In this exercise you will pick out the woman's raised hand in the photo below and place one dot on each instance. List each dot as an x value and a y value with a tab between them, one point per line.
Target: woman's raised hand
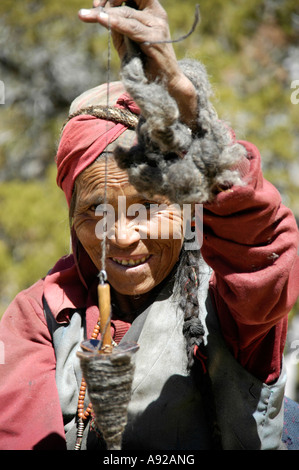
145	22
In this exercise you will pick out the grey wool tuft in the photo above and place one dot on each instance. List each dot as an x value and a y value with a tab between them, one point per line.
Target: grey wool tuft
155	165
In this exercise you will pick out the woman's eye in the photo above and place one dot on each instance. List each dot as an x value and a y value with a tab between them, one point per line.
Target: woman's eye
96	209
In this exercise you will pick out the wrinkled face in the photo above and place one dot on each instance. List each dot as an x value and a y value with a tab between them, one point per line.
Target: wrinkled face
143	238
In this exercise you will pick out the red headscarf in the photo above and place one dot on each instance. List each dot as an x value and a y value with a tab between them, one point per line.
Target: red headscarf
85	137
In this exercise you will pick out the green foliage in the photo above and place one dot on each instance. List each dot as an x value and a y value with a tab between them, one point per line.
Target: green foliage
34	232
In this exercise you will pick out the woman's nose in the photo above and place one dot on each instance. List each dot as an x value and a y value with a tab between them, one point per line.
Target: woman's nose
126	232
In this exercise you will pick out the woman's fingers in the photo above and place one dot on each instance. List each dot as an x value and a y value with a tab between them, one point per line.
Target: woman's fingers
144	27
148	26
140	26
138	4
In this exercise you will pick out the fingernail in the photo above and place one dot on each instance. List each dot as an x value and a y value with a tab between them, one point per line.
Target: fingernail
103	15
84	12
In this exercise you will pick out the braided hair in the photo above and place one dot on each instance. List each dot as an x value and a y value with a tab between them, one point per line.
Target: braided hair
186	291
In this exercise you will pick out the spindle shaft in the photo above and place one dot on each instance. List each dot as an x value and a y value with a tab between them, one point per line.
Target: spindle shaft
104	307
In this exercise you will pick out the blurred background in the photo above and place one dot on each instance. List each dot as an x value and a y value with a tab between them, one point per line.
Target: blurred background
48	57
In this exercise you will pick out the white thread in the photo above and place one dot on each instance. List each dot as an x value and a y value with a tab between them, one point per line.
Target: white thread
103	274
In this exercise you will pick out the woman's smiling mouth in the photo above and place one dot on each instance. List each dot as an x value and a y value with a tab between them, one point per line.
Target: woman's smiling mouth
130	262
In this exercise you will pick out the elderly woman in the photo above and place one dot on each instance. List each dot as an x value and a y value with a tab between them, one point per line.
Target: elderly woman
210	323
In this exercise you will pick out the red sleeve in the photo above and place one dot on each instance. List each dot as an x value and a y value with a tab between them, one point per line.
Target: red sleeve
251	242
30	415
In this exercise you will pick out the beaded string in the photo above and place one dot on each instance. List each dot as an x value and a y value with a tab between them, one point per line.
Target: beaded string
84	415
